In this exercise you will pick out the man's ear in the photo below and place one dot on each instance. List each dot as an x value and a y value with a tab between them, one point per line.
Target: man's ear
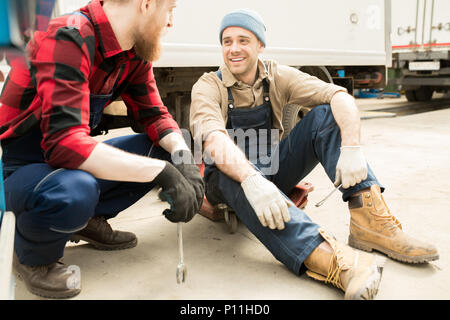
144	5
261	47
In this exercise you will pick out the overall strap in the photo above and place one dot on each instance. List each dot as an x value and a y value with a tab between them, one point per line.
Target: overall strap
79	13
266	84
230	95
266	92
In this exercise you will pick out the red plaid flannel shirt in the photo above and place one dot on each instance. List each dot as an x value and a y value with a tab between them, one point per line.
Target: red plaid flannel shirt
72	59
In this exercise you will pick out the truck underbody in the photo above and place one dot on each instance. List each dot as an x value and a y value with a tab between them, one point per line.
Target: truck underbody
423	73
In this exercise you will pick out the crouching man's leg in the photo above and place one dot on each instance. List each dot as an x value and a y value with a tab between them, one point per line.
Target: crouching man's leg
50	205
317	138
304	242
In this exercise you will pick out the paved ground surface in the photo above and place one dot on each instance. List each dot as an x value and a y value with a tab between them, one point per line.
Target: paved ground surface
409	154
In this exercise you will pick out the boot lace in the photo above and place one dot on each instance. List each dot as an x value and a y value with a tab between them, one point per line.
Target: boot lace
44	269
388	221
335	269
102	225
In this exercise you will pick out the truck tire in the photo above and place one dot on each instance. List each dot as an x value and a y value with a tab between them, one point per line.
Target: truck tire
292	113
411	95
424	94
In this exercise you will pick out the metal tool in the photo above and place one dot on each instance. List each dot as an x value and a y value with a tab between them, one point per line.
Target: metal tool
181	269
319	204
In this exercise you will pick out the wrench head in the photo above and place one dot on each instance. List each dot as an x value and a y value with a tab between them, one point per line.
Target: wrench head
320	204
181	273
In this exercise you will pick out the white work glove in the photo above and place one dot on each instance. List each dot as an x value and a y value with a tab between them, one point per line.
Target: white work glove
351	168
270	205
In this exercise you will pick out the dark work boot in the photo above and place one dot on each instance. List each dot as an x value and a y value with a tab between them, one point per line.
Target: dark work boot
55	280
99	233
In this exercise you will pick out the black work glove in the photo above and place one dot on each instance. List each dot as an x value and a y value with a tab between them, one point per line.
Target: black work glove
184	162
179	193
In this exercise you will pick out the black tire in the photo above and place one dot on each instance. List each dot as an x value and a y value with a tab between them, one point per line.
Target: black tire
424	94
411	95
292	114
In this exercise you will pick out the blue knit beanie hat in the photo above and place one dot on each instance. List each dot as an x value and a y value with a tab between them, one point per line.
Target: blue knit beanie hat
246	19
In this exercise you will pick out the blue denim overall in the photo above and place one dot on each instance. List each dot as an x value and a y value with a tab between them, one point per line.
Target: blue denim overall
254	125
51	204
315	139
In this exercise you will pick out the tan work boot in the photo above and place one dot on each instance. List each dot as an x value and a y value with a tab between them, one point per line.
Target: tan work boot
373	227
358	274
99	233
55	280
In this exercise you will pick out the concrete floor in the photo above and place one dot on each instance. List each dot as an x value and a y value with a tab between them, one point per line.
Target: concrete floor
410	156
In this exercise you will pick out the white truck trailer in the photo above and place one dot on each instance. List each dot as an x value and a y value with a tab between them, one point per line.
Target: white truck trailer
345	42
421	46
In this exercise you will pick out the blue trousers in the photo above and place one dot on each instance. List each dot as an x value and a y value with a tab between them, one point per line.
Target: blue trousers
315	139
51	204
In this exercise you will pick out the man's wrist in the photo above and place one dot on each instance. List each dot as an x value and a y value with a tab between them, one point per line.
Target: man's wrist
160	172
173	142
167	175
245	175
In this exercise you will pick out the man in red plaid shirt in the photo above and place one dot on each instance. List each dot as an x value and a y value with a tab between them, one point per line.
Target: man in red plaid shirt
61	183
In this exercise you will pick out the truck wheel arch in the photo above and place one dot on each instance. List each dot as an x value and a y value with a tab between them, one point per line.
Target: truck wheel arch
320	72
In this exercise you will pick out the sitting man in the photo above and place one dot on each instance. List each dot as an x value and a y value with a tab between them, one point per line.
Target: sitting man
248	95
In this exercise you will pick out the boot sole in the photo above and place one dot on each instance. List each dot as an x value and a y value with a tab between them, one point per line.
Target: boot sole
48	294
369	247
102	246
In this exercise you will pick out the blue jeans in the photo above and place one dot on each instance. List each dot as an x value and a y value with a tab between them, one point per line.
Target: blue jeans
51	204
315	139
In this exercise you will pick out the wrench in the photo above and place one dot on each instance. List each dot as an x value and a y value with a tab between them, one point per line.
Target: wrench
181	269
319	204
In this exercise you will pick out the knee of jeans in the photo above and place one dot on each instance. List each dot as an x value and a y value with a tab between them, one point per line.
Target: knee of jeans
324	116
321	110
230	189
70	204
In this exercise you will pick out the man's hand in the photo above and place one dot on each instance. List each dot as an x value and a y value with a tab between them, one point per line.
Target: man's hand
351	168
179	193
184	162
267	201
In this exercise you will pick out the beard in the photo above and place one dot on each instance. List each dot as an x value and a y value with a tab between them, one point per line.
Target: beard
148	44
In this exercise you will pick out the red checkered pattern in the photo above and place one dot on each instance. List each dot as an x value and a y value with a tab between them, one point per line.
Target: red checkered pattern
74	58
